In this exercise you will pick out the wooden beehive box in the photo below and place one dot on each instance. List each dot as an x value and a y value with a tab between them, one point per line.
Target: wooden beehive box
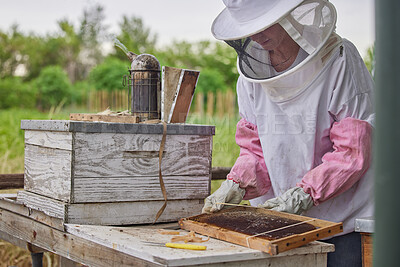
78	170
261	229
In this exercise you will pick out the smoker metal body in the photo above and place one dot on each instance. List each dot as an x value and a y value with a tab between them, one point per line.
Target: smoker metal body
145	87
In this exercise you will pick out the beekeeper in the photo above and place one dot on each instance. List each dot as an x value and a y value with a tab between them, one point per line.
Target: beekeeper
306	104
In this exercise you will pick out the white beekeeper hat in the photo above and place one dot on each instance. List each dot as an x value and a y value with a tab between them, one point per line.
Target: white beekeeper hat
243	18
310	23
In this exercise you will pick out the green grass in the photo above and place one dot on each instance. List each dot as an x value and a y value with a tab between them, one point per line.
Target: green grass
12	137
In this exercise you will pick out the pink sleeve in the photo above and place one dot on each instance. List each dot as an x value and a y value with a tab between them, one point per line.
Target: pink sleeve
345	165
250	170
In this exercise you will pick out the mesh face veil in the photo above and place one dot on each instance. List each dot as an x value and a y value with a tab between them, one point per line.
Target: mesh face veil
311	26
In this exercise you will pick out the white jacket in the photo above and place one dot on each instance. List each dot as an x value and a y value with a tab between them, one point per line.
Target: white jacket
307	139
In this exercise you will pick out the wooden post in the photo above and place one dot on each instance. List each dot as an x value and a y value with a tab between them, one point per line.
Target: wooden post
8	181
366	241
117	97
98	101
230	103
110	99
210	104
94	100
90	100
88	103
220	107
126	100
104	104
200	104
121	100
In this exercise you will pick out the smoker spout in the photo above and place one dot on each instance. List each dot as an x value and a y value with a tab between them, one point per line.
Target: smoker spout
131	56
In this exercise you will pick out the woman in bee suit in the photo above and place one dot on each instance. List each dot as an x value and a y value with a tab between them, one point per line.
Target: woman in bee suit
306	104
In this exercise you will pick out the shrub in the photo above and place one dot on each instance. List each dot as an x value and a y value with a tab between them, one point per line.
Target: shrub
210	81
53	87
108	75
15	93
80	92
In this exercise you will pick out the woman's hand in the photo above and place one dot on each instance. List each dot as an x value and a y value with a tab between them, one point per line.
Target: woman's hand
228	192
294	201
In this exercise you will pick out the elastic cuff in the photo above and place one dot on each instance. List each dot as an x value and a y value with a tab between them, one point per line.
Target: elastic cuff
231	177
308	190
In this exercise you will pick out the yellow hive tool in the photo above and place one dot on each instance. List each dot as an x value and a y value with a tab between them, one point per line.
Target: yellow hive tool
176	245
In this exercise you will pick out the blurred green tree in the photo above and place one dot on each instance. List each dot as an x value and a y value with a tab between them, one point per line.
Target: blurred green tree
53	87
41	52
369	60
210	81
108	75
135	36
92	34
205	56
71	49
78	50
16	94
11	57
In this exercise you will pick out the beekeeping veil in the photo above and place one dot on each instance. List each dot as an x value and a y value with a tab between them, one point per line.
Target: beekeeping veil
309	23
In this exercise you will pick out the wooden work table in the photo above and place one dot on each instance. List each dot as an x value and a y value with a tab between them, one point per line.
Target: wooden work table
94	245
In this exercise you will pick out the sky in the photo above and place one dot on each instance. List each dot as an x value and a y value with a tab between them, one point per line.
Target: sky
170	19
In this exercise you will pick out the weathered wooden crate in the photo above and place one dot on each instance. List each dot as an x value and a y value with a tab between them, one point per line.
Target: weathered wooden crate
110	213
78	162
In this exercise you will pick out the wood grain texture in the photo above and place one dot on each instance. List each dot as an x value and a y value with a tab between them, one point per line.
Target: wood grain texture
170	82
367	249
183	100
105	118
95	245
9	202
139	188
125	213
65	262
131	241
111	127
49	206
111	213
107	167
48	171
16	180
49	139
119	155
65	244
46	125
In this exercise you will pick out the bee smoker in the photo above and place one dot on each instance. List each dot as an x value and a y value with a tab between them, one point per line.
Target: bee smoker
145	87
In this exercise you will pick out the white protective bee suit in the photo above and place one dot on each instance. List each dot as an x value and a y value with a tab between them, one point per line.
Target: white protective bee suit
305	133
